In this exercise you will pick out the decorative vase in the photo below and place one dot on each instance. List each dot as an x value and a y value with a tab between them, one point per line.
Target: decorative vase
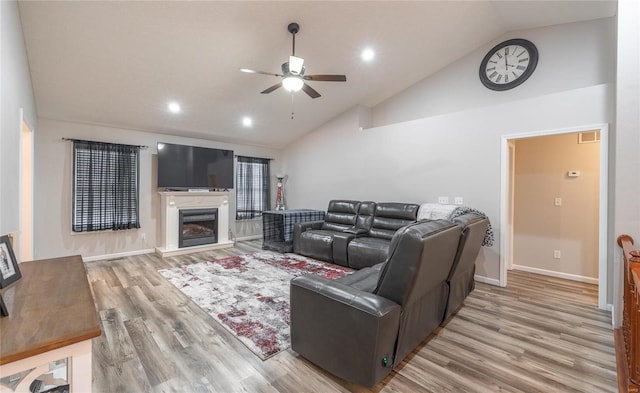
280	193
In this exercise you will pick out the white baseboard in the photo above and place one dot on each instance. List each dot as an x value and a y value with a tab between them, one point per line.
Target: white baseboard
551	273
163	252
487	280
245	238
117	255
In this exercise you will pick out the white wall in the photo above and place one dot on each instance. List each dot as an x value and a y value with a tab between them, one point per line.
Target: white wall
571	56
540	227
627	137
53	182
455	153
448	155
16	92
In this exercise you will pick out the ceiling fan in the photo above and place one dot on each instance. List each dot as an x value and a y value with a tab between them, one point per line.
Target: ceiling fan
293	77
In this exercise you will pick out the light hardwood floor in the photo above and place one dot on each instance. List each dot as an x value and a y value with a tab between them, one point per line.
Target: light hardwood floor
539	334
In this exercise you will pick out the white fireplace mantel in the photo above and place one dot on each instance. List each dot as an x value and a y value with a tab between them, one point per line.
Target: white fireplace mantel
170	205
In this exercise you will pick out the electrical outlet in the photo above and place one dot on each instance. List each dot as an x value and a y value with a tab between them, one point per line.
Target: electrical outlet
143	236
558	201
556	254
458	200
443	200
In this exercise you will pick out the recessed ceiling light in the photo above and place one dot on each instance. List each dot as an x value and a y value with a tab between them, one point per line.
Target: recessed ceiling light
174	107
368	54
246	121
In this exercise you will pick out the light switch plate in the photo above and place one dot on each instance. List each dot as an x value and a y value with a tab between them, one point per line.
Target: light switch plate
458	200
443	200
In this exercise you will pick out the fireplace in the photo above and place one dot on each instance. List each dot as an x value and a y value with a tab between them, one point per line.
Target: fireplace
171	202
197	227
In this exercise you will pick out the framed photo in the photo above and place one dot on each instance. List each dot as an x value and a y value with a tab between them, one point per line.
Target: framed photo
9	271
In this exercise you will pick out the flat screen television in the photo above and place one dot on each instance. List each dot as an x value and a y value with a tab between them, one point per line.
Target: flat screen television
184	167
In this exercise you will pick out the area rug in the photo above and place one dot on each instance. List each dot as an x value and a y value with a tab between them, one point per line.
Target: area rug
249	294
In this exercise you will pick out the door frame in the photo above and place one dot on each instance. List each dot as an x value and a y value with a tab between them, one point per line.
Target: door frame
510	199
506	232
22	235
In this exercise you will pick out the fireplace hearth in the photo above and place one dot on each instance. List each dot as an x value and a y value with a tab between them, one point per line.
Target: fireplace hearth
197	227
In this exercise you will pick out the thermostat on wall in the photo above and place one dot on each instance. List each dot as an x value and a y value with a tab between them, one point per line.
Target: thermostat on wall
573	173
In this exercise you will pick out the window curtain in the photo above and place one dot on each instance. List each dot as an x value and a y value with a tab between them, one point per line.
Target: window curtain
105	186
252	187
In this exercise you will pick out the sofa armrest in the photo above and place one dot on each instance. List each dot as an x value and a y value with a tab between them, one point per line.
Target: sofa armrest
305	226
348	332
358	232
300	227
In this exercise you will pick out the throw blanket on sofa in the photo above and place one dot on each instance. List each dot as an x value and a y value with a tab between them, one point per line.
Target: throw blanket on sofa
436	211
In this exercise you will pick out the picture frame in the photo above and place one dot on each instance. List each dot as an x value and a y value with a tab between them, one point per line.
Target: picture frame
9	270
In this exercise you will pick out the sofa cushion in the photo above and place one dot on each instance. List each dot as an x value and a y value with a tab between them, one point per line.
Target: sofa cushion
341	214
367	251
364	279
389	217
316	243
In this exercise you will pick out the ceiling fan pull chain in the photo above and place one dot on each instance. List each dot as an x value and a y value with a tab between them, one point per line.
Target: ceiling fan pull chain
292	104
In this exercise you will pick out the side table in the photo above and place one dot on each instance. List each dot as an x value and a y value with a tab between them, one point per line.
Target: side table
52	316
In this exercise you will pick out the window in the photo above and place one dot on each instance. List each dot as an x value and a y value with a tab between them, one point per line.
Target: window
252	187
105	186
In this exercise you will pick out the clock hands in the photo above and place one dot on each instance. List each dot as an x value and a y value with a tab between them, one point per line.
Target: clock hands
506	58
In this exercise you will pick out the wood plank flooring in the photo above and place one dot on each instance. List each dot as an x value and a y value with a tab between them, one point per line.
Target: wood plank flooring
539	334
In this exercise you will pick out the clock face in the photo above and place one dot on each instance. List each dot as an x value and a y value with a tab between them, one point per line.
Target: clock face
508	64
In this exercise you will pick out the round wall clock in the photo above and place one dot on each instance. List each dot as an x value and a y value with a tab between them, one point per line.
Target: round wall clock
508	64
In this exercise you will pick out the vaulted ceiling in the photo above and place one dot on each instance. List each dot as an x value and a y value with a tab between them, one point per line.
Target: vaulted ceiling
120	63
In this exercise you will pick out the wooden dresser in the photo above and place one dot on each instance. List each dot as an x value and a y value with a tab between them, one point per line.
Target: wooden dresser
52	316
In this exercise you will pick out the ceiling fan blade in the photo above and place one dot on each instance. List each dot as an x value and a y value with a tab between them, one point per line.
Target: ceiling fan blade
295	64
272	88
310	91
326	78
248	71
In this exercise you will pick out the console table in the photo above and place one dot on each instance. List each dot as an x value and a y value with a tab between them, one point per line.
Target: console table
52	316
277	227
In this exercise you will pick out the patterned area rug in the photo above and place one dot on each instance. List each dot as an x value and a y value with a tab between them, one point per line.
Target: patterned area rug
249	294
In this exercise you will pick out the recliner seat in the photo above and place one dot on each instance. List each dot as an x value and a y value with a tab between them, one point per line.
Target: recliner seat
373	247
315	238
461	278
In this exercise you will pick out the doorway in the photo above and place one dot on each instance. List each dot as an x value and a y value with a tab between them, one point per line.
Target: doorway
25	239
507	252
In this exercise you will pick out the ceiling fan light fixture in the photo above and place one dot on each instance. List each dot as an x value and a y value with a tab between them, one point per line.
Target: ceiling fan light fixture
295	64
292	83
